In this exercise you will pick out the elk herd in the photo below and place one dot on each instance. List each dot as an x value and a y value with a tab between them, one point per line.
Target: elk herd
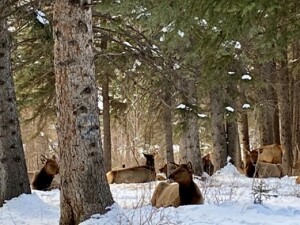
176	185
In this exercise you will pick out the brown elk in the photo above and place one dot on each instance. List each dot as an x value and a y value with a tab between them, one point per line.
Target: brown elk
208	167
268	154
249	167
184	192
43	178
264	170
164	170
298	180
265	161
137	174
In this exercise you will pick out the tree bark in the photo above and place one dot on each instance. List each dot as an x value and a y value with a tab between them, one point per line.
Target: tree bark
167	118
84	188
285	114
189	140
219	153
296	109
233	142
106	122
13	171
268	115
244	134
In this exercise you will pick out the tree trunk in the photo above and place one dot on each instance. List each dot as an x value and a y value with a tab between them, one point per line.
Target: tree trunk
106	122
84	188
285	114
189	140
167	118
219	153
296	110
13	172
233	142
244	134
106	109
268	115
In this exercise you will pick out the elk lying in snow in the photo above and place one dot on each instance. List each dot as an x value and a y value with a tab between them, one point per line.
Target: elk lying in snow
43	178
137	174
184	192
164	170
298	180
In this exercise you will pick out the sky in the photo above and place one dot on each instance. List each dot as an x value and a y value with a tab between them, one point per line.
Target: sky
229	200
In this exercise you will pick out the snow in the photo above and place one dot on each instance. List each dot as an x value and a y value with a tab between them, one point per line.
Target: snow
246	106
228	201
41	17
229	108
180	33
246	77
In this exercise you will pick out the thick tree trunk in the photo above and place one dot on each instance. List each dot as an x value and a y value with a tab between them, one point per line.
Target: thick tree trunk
268	115
285	113
219	153
167	118
233	145
13	172
233	142
84	188
189	140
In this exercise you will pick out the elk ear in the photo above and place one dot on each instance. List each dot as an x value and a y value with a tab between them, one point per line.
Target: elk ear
190	166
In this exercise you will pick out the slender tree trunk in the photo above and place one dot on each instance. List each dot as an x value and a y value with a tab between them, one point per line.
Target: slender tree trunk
13	172
285	114
106	109
219	153
189	140
167	118
296	109
84	188
244	134
243	125
106	122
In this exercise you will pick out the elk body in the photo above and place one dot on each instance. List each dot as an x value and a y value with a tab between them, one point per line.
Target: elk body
184	192
265	161
268	154
42	179
208	167
265	170
137	174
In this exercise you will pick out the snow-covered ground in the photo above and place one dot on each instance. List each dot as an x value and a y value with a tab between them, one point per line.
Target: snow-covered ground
229	200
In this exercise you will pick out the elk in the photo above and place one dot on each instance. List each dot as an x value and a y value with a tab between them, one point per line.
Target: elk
268	154
264	170
183	191
298	180
208	167
43	178
137	174
164	170
265	161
